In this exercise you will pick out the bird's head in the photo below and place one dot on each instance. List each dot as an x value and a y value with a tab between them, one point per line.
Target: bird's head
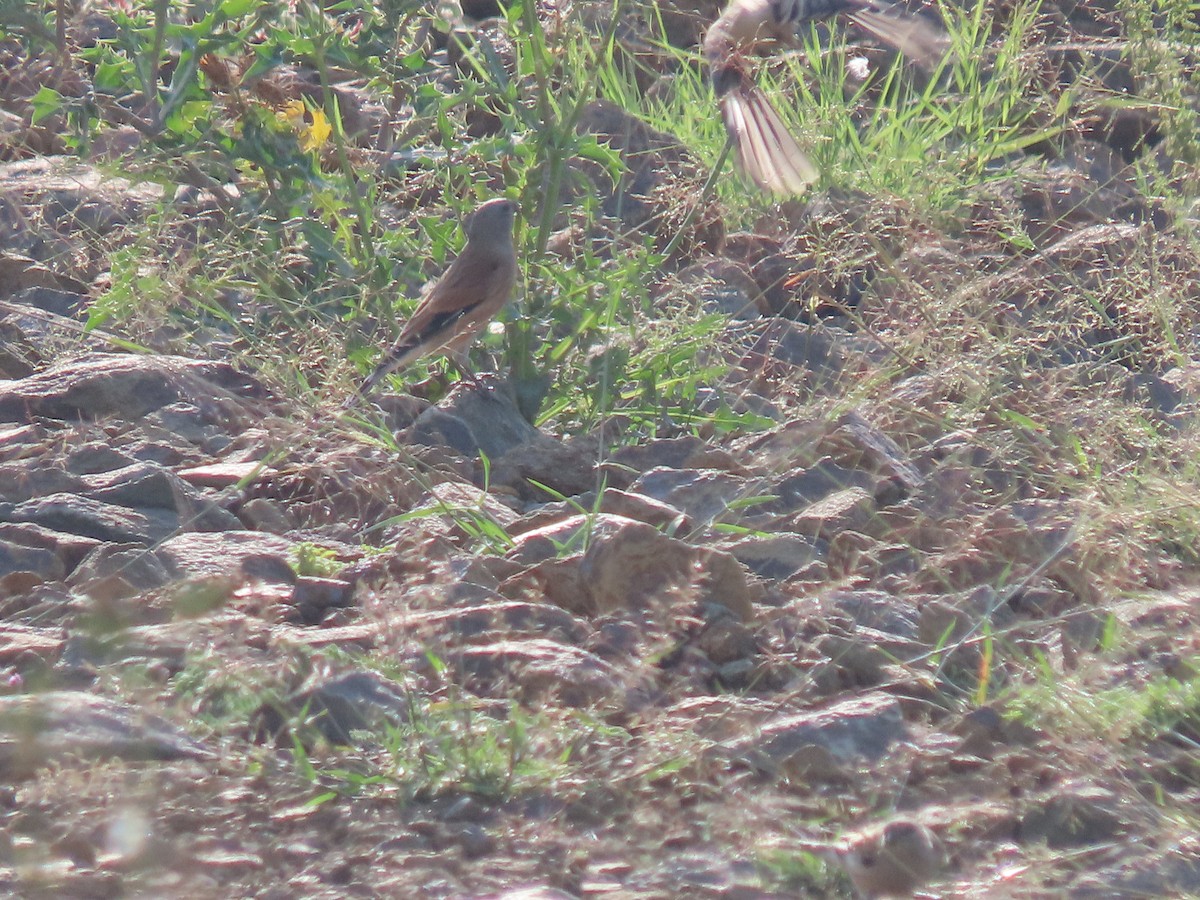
491	220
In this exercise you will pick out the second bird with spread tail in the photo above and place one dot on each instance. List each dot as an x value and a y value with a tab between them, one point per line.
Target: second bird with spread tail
766	151
468	295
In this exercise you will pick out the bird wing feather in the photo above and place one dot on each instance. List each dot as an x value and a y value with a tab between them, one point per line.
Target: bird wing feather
916	38
471	291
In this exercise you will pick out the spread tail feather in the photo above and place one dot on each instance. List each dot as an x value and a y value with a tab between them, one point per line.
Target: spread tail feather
766	151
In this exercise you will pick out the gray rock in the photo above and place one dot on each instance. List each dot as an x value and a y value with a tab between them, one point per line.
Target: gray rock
352	701
44	563
41	729
122	385
490	418
68	304
69	548
540	668
221	553
704	494
21	481
827	744
1075	815
118	571
92	518
777	557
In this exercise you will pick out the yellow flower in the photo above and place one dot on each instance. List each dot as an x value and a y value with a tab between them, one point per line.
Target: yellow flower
310	124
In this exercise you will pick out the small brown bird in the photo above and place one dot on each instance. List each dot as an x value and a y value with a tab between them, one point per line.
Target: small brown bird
468	295
766	151
893	859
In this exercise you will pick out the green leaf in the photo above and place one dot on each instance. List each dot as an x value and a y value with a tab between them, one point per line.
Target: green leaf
46	101
235	9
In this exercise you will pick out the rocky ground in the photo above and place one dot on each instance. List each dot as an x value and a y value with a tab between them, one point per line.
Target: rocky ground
249	649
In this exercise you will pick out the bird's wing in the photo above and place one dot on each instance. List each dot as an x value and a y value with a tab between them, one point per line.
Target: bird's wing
473	288
469	293
914	36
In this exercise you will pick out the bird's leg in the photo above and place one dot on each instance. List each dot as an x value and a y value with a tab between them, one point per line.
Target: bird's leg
466	373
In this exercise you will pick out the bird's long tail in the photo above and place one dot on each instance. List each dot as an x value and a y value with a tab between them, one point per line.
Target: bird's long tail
766	151
398	356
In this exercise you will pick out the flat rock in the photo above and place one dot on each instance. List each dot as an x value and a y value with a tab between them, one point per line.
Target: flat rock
1075	815
84	516
848	510
121	385
41	729
45	564
540	668
776	557
566	468
22	642
471	420
118	571
220	553
827	744
352	701
704	494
